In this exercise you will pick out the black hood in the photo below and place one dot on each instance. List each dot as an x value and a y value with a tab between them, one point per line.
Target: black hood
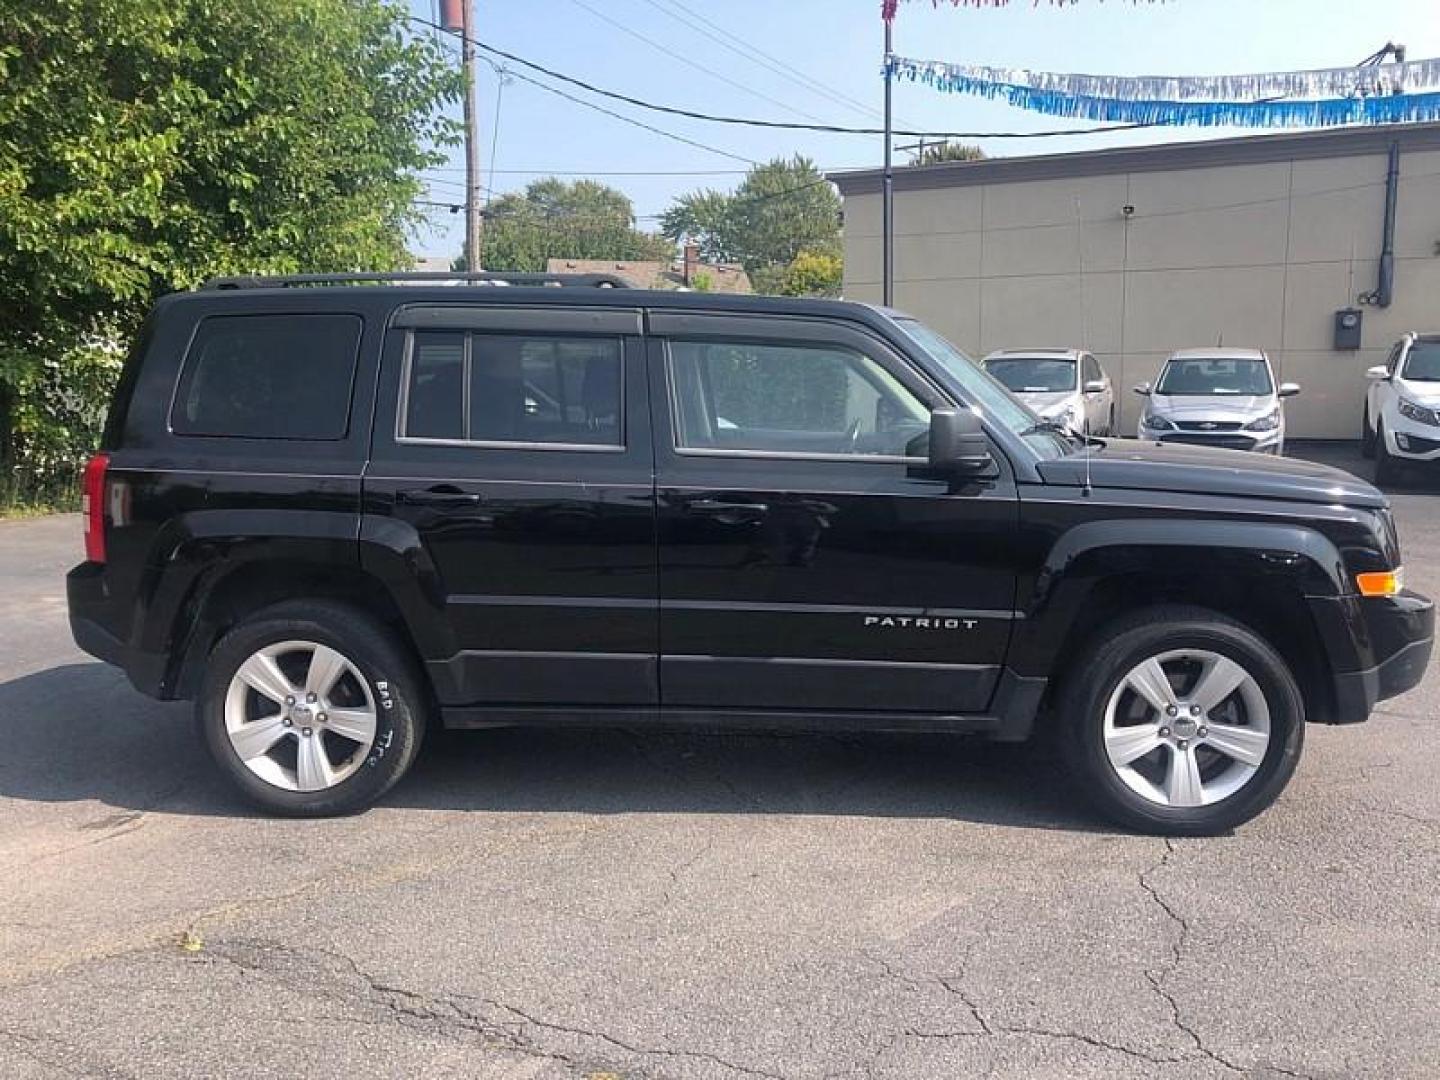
1148	466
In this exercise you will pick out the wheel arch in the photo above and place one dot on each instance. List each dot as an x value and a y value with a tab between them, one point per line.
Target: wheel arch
225	598
1260	575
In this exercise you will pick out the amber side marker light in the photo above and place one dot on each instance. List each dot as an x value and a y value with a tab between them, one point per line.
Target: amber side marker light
1381	582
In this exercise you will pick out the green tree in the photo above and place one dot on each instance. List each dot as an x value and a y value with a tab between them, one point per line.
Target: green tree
812	273
935	153
553	219
782	208
147	146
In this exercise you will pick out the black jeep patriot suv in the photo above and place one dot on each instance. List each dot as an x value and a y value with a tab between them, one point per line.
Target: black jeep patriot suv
333	513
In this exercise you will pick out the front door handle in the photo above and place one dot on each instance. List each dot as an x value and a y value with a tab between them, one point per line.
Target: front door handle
442	495
724	508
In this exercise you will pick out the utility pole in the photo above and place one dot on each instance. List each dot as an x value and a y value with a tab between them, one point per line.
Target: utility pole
474	254
887	197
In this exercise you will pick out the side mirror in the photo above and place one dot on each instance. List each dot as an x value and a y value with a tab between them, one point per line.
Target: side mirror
1095	386
958	443
1288	389
1143	389
1378	373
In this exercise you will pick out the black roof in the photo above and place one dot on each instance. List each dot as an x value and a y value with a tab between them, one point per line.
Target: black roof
257	293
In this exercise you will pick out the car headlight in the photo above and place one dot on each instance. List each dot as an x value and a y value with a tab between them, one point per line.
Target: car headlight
1418	413
1156	423
1265	423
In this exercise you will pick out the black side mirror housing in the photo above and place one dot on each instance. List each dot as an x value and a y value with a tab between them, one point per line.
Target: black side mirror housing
958	443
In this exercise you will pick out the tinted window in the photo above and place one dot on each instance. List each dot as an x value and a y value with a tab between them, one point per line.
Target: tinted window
1092	370
514	389
791	400
1222	375
1032	373
269	377
435	406
1423	362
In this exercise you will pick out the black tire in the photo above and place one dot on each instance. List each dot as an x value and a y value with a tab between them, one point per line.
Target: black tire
1387	468
1095	675
1367	437
400	697
1110	426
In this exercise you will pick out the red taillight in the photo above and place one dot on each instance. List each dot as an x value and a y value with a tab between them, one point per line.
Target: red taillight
92	505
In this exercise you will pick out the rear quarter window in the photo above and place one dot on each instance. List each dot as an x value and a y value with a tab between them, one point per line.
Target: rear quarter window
268	377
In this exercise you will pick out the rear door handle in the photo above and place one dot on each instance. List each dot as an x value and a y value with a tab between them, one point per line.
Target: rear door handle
723	508
444	495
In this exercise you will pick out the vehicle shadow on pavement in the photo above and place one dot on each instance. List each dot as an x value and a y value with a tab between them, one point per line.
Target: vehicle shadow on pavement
80	732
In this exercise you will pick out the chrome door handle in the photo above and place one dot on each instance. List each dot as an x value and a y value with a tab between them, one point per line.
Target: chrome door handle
720	507
438	496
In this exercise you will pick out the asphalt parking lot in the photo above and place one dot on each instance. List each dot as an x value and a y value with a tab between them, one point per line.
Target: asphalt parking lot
624	904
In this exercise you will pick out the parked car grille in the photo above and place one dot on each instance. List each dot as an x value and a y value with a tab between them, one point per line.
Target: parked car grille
1209	425
1226	442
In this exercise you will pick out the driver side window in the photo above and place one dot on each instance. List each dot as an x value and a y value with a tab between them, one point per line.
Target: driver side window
792	400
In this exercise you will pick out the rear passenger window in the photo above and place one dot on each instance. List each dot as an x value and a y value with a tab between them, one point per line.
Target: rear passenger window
268	377
502	388
435	408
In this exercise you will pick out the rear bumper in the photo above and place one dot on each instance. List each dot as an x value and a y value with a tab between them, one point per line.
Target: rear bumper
90	606
1395	638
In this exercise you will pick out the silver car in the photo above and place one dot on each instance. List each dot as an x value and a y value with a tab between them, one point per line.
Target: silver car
1217	397
1065	385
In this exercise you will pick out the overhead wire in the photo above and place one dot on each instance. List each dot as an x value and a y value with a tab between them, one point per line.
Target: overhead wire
688	16
688	62
581	101
780	125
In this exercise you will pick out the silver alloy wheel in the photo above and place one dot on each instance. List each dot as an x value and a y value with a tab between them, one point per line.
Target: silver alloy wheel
300	716
1187	728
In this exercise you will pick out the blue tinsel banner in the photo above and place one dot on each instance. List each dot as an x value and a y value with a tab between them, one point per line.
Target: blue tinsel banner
1372	108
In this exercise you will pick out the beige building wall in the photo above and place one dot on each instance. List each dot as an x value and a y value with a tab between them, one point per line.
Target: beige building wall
1249	254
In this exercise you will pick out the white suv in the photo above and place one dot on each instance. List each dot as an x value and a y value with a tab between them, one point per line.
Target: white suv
1402	406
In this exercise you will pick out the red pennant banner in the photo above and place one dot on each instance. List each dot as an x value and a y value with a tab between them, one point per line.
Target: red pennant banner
889	7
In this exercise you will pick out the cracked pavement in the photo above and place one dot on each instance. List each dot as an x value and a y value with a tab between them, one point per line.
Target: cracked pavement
604	904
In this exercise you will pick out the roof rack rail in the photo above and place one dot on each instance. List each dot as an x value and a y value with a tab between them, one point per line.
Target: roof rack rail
413	277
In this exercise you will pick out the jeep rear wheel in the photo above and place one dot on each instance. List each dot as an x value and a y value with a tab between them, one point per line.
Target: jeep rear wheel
312	709
1181	722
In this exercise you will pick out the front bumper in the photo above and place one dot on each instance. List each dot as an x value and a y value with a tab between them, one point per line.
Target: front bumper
1389	644
1404	438
1270	442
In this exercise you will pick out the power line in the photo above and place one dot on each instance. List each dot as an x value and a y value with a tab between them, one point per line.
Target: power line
581	101
631	120
661	47
600	172
755	55
782	125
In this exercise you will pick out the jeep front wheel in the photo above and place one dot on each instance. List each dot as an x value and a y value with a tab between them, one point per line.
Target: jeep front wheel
1182	722
311	709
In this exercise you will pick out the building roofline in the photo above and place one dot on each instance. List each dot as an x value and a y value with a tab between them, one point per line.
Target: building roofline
1162	157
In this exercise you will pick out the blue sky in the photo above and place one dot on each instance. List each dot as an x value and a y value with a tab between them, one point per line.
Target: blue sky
838	44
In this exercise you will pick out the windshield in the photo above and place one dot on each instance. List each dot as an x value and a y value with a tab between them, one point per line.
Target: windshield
1199	376
986	394
1423	363
1033	374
